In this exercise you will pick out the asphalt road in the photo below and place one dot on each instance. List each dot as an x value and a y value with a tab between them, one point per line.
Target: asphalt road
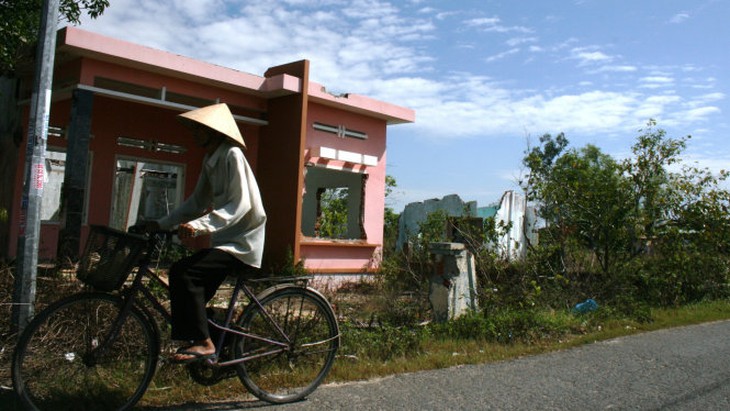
685	368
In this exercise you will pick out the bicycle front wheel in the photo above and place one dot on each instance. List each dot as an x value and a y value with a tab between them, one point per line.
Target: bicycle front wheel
281	371
65	361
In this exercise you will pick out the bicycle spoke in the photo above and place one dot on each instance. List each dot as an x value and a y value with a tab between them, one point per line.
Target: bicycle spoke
63	360
309	324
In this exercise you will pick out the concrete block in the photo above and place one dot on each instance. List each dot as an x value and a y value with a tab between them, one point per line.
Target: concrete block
453	286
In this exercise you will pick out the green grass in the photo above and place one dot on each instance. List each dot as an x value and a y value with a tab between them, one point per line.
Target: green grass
362	360
370	349
449	352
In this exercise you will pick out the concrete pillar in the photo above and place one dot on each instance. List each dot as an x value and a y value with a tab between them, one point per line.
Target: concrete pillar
453	288
75	178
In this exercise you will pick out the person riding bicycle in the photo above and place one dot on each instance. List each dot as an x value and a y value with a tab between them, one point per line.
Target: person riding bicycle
226	204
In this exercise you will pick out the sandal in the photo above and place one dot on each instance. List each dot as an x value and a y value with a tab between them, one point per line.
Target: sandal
193	356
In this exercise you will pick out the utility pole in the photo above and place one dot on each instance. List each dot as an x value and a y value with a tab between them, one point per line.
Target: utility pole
35	168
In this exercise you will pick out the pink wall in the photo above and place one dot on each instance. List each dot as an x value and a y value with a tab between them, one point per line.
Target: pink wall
99	56
335	258
349	255
113	118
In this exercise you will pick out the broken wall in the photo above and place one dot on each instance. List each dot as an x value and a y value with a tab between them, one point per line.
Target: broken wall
520	219
511	211
416	213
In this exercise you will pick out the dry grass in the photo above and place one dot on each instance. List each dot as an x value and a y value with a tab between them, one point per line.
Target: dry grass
361	304
7	335
50	286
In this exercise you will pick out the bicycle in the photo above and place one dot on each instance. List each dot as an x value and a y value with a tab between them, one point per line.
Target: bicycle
100	349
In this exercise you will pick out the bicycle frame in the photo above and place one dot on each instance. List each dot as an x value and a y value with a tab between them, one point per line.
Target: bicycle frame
129	297
241	286
286	330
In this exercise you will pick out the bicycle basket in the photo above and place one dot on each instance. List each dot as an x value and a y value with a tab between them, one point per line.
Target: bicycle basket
109	257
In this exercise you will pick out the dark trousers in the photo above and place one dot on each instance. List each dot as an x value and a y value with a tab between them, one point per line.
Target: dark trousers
194	281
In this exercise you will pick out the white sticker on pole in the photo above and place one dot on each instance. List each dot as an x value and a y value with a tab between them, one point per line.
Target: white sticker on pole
39	173
46	115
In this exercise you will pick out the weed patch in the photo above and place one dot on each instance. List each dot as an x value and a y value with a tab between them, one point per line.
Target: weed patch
384	332
382	342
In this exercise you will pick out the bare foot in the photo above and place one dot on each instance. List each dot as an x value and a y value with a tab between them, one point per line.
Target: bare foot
200	350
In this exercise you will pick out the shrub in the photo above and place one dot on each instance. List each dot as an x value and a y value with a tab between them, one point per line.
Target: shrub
382	342
508	326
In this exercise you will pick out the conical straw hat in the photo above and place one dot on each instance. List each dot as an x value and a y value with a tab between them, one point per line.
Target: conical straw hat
217	117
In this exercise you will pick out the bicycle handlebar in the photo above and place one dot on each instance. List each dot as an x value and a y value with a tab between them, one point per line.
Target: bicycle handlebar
141	229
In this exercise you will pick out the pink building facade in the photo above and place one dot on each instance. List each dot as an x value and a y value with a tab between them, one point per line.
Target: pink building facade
116	153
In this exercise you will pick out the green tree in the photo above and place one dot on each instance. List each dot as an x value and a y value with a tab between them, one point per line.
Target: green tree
583	196
20	20
390	223
653	155
659	230
683	225
332	221
702	207
539	161
595	203
690	199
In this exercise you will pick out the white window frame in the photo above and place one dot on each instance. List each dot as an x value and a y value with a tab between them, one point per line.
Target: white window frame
132	213
44	204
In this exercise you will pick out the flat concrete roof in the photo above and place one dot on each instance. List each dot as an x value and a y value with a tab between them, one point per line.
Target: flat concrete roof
73	41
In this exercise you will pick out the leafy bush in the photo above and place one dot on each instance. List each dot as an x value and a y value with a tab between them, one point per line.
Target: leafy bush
632	234
682	278
382	342
507	326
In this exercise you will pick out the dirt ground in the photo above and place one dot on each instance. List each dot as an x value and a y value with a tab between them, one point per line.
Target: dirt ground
355	301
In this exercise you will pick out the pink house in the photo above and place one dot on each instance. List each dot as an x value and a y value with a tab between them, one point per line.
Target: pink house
116	153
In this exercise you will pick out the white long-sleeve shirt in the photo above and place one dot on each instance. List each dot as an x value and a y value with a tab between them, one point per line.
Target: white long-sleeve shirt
226	204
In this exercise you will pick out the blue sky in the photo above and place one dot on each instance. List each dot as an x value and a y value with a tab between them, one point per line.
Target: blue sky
485	78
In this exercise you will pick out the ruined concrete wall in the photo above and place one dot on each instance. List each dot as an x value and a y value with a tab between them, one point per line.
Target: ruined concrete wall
513	211
415	213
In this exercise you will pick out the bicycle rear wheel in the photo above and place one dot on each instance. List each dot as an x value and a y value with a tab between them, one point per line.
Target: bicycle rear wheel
62	363
289	373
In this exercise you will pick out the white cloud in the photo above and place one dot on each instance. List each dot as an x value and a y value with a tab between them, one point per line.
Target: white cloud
494	24
711	160
199	10
520	40
655	106
370	47
658	79
654	82
589	55
477	107
502	55
679	18
483	22
701	113
617	69
712	97
365	38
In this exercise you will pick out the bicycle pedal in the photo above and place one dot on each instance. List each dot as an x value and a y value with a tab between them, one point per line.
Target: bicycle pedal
209	375
229	372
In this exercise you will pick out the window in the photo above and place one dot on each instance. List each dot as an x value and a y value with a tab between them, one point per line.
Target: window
51	200
340	130
144	191
331	219
333	204
53	191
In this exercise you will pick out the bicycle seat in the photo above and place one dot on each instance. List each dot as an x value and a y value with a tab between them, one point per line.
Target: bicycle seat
247	272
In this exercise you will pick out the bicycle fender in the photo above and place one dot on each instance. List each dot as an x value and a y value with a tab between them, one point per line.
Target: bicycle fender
275	288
